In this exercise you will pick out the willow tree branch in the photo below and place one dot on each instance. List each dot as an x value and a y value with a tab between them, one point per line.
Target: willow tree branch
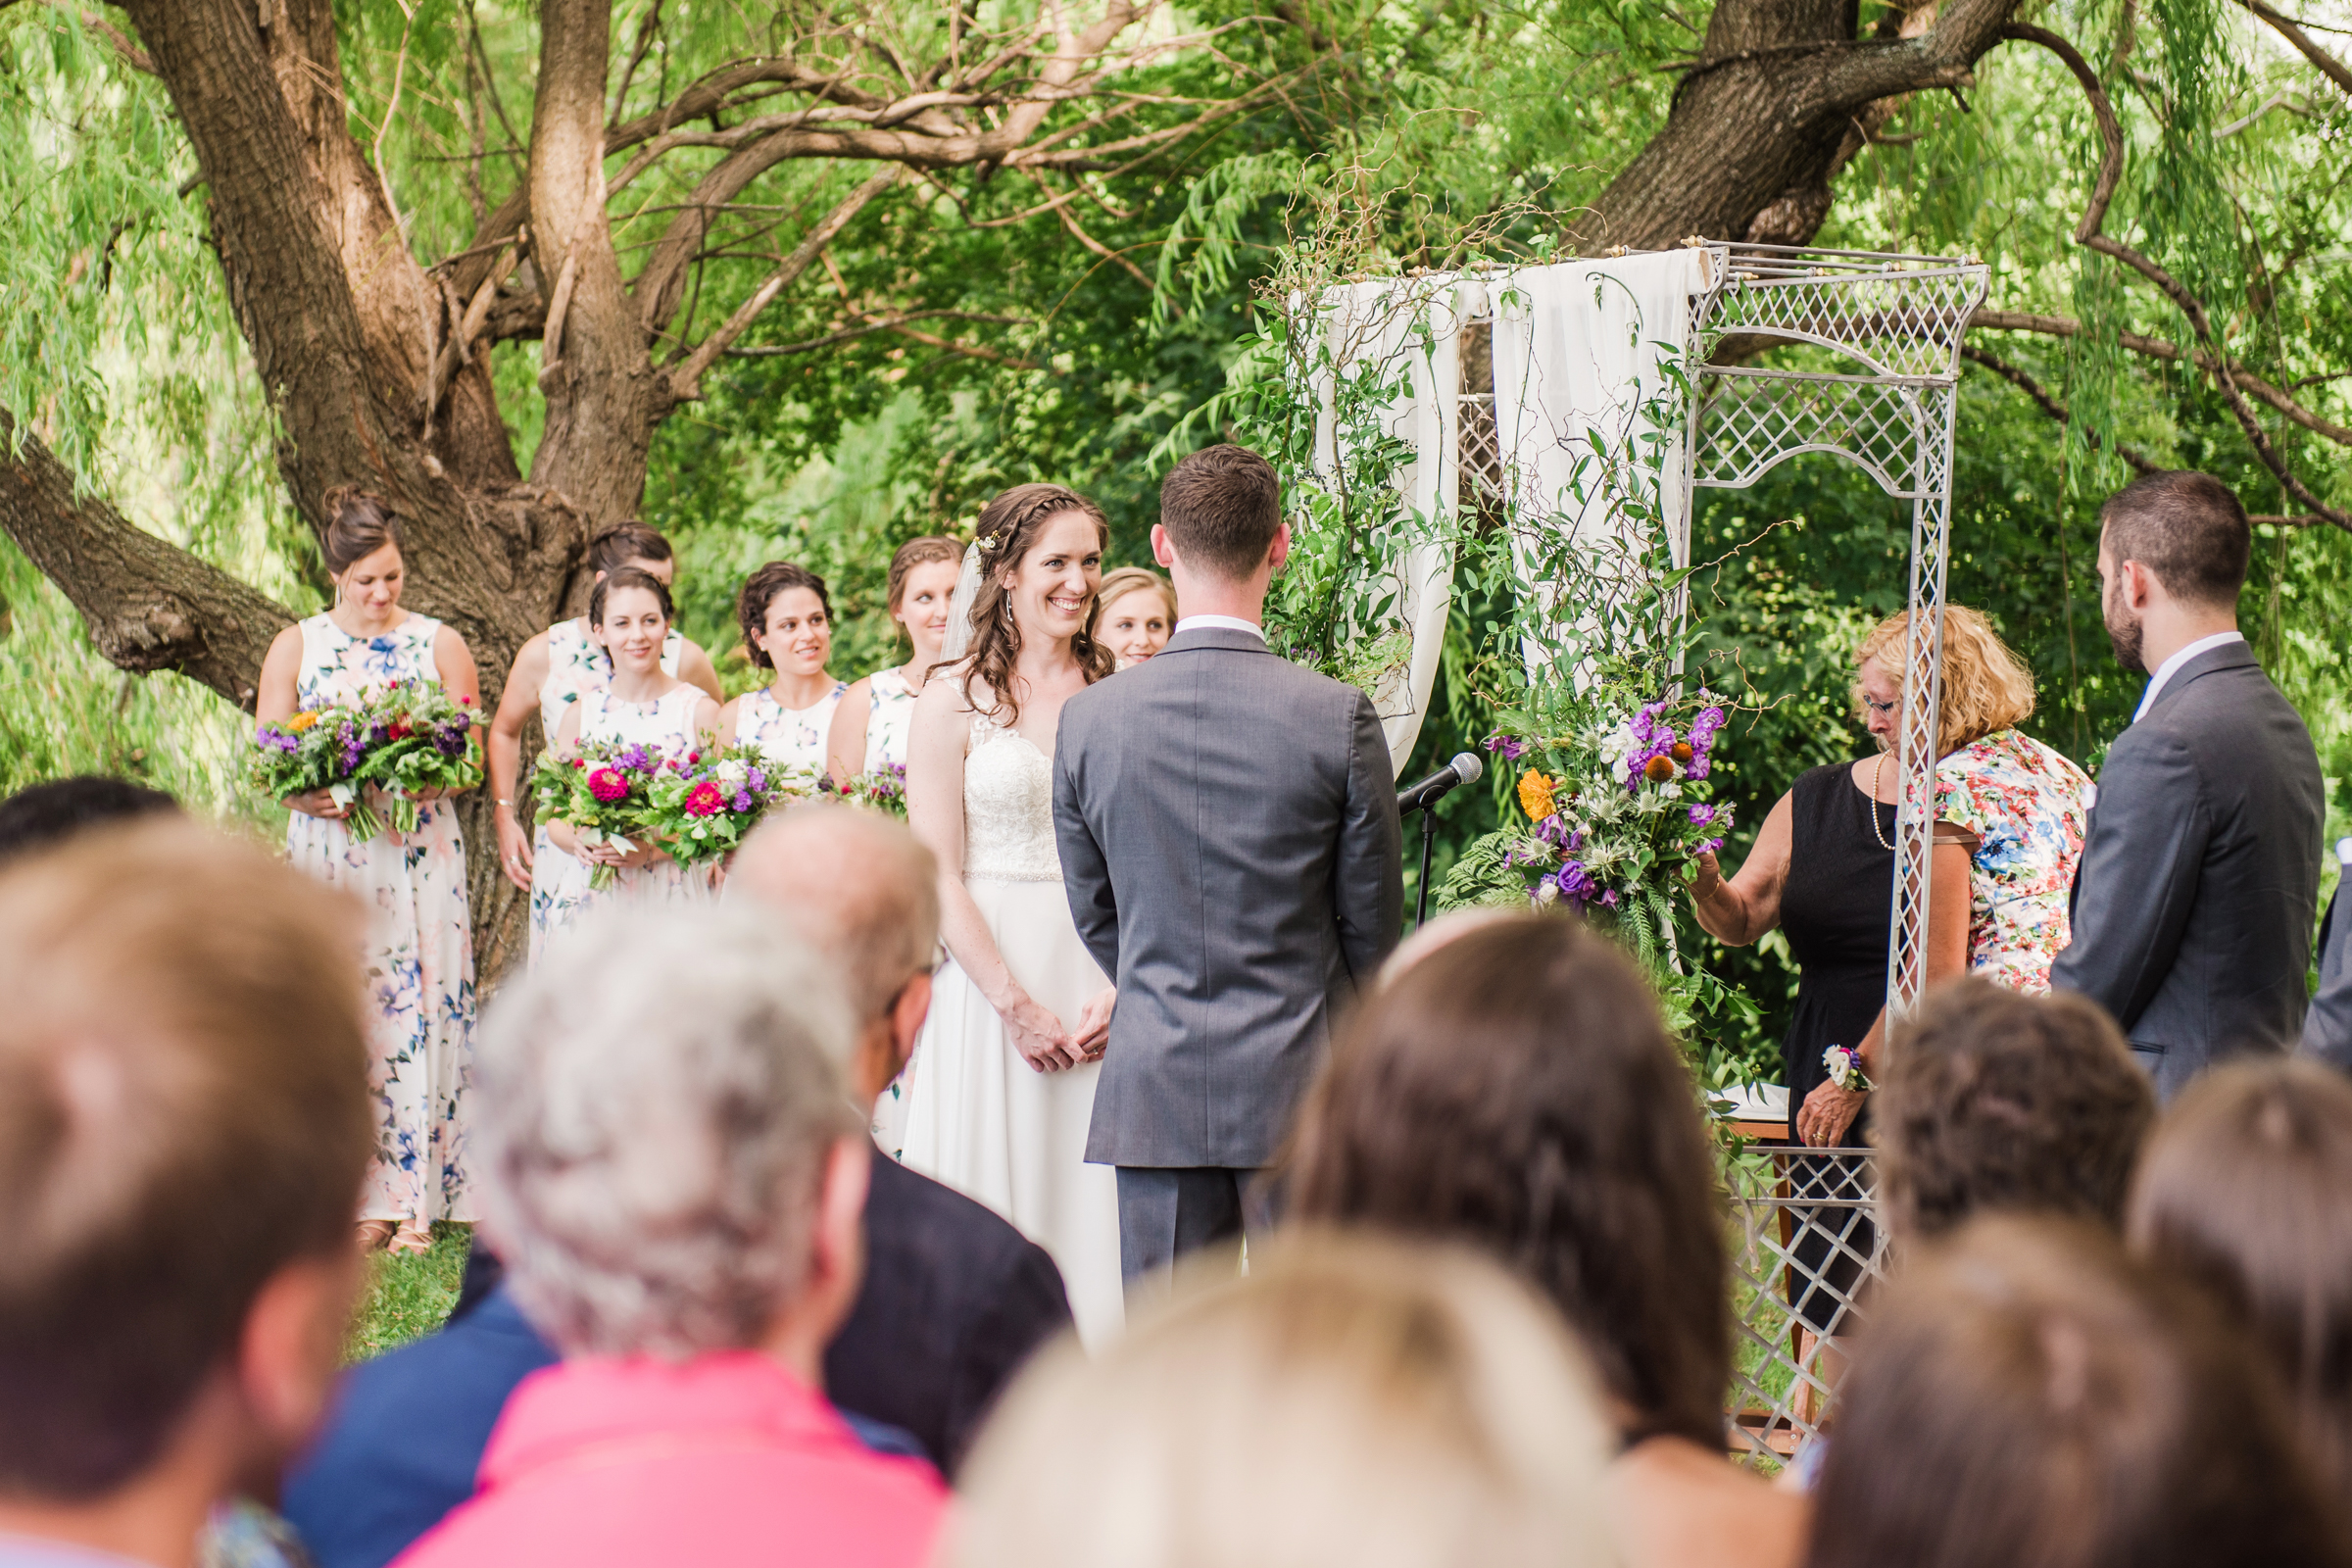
2332	68
2015	377
2227	379
686	377
149	604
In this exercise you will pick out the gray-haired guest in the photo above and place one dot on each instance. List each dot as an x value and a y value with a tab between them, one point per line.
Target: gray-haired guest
676	1179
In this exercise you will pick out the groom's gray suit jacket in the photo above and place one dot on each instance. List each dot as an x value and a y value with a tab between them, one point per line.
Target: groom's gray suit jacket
1228	830
2193	901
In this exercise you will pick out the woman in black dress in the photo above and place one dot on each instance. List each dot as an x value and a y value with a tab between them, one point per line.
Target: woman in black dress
1823	871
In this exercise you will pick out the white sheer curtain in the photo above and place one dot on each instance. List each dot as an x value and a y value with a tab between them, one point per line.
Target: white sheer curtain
1578	349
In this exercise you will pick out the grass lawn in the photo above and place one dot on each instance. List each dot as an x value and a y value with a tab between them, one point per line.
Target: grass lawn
408	1296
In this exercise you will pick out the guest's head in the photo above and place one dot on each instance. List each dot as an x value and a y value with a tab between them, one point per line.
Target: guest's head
1350	1405
1220	518
361	546
1515	1091
920	586
184	1123
2025	1397
2172	546
1985	685
1134	614
2246	1188
1041	565
787	619
863	893
670	1160
1997	1103
633	543
43	815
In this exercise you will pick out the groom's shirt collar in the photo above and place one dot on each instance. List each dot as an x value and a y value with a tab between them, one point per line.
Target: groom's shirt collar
1218	623
2169	668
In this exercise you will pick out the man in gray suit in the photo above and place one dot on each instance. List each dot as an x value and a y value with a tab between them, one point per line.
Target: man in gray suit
1229	843
2327	1031
2193	903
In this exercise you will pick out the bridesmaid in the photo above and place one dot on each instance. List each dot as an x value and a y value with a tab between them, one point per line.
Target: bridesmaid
551	671
869	727
420	957
629	614
788	629
1136	614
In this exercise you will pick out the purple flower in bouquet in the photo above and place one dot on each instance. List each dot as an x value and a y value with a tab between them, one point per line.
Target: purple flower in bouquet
1701	816
757	781
1576	884
1512	750
636	759
743	800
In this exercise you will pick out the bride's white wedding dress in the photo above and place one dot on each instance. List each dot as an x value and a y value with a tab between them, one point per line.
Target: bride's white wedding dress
978	1116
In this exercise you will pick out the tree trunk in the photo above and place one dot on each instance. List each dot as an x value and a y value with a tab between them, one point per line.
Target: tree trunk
1781	96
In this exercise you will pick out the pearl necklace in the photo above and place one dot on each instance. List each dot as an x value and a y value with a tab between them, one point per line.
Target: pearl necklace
1877	776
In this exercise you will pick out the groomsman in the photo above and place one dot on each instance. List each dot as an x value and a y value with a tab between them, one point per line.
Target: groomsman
2327	1031
2193	903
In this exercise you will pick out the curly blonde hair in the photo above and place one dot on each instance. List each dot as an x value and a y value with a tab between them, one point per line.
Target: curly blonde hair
1987	687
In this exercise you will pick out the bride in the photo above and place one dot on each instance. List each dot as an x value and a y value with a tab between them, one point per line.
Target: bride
1003	1075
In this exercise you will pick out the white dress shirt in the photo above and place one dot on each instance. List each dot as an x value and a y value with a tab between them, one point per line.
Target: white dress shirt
2165	671
1218	623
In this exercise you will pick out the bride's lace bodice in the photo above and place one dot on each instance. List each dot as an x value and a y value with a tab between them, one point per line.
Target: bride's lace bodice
1007	808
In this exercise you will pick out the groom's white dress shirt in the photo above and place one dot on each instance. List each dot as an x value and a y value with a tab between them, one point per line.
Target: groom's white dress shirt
2166	670
1220	623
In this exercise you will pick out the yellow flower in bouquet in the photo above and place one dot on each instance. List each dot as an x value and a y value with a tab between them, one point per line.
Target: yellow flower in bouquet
1535	794
301	720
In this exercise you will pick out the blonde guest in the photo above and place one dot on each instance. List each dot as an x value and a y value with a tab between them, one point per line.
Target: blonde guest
1134	614
787	620
1351	1403
871	721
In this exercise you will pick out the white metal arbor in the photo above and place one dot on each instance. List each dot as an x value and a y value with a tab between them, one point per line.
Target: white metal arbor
1878	389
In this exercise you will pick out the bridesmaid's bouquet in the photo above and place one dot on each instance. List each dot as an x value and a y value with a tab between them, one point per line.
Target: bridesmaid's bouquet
604	789
419	738
882	789
702	805
312	749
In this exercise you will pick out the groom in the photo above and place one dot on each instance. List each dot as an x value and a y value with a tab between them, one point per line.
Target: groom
1228	830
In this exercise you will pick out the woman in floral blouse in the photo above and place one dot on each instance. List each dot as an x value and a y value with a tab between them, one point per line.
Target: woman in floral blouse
2019	804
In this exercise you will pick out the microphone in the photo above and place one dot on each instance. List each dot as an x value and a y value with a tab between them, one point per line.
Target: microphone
1465	769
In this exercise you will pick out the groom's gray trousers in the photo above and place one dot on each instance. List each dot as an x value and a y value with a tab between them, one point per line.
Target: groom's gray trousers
1166	1213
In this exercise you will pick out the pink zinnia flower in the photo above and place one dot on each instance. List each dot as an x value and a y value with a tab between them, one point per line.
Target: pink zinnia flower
704	800
608	785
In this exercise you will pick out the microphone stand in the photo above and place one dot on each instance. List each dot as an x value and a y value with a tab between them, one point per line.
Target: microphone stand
1429	838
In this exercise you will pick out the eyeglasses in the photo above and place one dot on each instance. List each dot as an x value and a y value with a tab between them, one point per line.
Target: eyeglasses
1882	710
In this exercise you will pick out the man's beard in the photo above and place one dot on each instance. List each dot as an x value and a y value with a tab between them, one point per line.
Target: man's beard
2124	632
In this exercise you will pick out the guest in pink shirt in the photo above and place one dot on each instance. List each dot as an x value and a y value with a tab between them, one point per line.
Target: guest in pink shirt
675	1177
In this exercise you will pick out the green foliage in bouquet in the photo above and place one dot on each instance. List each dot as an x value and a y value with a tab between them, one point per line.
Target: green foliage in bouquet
883	789
417	737
310	748
602	789
701	806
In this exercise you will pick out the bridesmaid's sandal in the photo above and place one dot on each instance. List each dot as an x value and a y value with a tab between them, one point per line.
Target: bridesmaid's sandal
412	1239
374	1232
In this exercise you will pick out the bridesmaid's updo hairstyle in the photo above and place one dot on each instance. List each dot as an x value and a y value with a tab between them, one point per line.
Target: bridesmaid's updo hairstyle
623	543
915	553
359	526
627	577
759	590
1006	533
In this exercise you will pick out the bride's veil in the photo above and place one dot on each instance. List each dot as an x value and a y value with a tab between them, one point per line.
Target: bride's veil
958	640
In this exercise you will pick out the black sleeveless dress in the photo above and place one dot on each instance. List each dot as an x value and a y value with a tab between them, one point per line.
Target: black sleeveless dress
1835	910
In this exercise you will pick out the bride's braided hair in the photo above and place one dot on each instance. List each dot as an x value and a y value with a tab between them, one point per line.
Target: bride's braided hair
1006	533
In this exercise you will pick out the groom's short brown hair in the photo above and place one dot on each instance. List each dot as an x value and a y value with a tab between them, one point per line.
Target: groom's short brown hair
1221	506
2187	528
183	1113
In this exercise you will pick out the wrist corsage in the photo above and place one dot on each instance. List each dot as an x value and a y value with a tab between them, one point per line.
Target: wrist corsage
1845	1069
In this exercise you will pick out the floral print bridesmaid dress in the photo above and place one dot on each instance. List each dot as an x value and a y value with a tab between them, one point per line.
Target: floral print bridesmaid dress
576	665
788	737
664	727
419	954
